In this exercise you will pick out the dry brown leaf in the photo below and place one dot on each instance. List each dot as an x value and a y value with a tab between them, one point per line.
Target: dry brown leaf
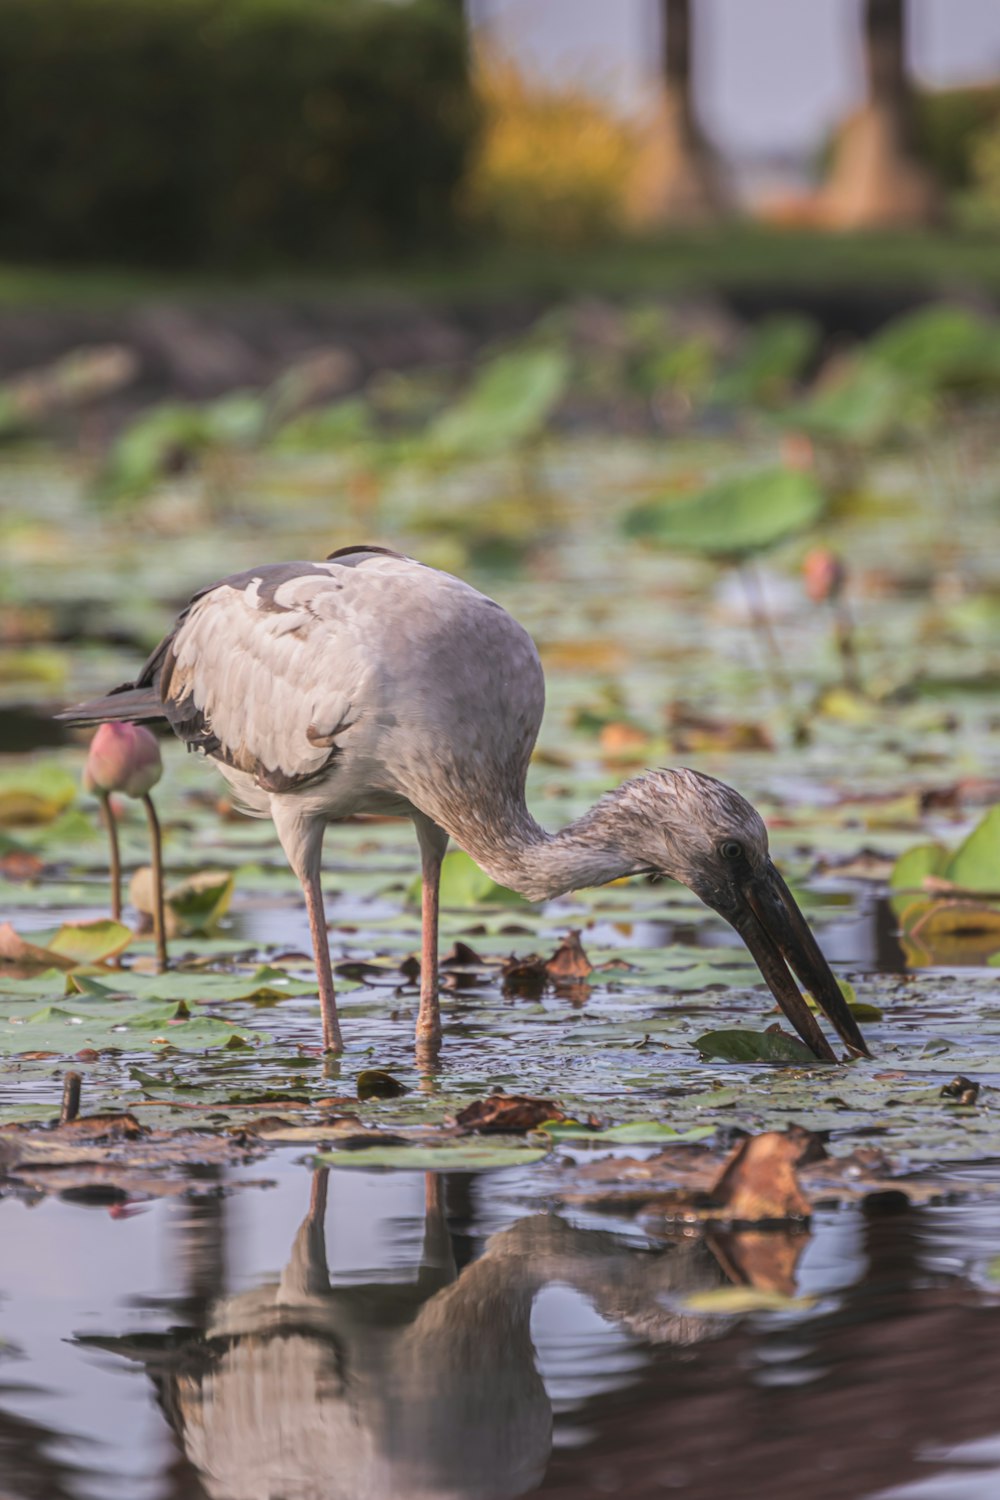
620	740
867	864
682	1183
759	1180
14	949
21	864
691	733
764	1259
461	956
527	978
569	961
507	1113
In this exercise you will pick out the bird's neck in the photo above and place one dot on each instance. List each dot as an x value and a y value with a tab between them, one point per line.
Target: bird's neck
519	854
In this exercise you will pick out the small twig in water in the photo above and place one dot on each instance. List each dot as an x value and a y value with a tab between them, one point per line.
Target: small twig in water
70	1106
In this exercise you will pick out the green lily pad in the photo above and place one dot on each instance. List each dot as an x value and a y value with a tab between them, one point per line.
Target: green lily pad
860	409
975	865
464	884
34	794
755	1047
912	868
941	348
861	1010
128	1026
265	983
635	1133
774	355
734	518
508	403
90	942
458	1156
76	944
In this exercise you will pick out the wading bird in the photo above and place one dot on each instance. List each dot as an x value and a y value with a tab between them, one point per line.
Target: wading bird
370	683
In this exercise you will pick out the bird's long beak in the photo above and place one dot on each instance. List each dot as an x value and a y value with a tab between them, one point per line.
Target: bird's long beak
779	938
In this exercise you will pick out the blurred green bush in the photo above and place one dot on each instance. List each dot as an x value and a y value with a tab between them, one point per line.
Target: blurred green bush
201	132
947	123
985	202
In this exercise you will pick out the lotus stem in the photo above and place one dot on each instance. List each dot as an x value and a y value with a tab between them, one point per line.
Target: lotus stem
156	851
763	626
843	630
108	819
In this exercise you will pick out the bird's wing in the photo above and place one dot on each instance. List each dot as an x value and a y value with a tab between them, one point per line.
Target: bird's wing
263	671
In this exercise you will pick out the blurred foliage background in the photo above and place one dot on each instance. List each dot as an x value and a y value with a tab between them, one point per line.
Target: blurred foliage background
187	132
311	133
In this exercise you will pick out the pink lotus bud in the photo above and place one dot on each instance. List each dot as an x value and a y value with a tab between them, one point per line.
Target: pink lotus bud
122	758
798	452
824	574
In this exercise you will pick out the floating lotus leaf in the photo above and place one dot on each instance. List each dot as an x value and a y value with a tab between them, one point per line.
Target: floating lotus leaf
755	1047
736	517
510	401
451	1156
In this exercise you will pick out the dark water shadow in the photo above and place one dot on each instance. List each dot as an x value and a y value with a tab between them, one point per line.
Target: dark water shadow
431	1381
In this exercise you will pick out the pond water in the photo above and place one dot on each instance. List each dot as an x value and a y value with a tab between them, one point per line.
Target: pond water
281	1331
301	1334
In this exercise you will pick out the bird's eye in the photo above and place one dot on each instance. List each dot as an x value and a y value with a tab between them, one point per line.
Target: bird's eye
731	849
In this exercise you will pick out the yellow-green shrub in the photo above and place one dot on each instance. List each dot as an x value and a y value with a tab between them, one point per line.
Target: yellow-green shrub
551	163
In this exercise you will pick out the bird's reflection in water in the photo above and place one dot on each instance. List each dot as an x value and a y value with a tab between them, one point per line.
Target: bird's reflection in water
424	1388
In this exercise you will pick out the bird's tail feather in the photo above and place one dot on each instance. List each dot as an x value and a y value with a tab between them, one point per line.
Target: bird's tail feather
126	704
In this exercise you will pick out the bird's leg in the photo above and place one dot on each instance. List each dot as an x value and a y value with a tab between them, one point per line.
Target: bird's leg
156	849
332	1039
433	842
108	819
301	838
429	1014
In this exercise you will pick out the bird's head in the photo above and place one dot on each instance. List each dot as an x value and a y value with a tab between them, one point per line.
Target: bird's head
701	832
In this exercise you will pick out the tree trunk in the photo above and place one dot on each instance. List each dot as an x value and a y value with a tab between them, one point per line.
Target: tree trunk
876	180
676	179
